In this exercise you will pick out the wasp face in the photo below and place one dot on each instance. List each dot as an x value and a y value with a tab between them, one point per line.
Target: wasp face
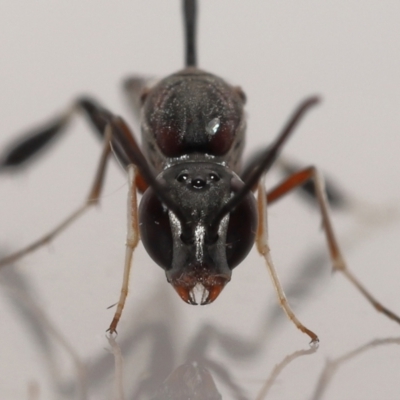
198	264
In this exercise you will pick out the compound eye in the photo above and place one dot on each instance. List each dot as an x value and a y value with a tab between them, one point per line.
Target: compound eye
241	232
155	229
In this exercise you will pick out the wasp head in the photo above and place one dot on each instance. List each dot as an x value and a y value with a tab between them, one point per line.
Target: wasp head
197	259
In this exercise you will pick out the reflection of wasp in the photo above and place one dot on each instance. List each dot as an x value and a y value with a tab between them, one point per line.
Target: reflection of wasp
198	218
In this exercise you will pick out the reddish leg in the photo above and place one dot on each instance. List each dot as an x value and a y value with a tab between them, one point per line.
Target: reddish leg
298	179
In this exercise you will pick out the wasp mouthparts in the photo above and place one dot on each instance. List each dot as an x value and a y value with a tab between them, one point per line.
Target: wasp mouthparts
186	294
194	291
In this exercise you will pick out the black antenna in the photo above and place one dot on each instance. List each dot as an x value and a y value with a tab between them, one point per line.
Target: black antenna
270	155
189	19
128	148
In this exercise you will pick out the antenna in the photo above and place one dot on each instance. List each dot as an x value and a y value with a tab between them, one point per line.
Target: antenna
189	20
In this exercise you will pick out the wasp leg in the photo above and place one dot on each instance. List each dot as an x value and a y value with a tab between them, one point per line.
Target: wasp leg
115	129
132	240
264	250
339	264
30	145
25	148
136	89
92	199
337	198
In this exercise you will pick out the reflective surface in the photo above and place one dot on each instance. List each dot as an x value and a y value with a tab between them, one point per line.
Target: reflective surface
344	50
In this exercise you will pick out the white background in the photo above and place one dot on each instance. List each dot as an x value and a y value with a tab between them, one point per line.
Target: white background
279	52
